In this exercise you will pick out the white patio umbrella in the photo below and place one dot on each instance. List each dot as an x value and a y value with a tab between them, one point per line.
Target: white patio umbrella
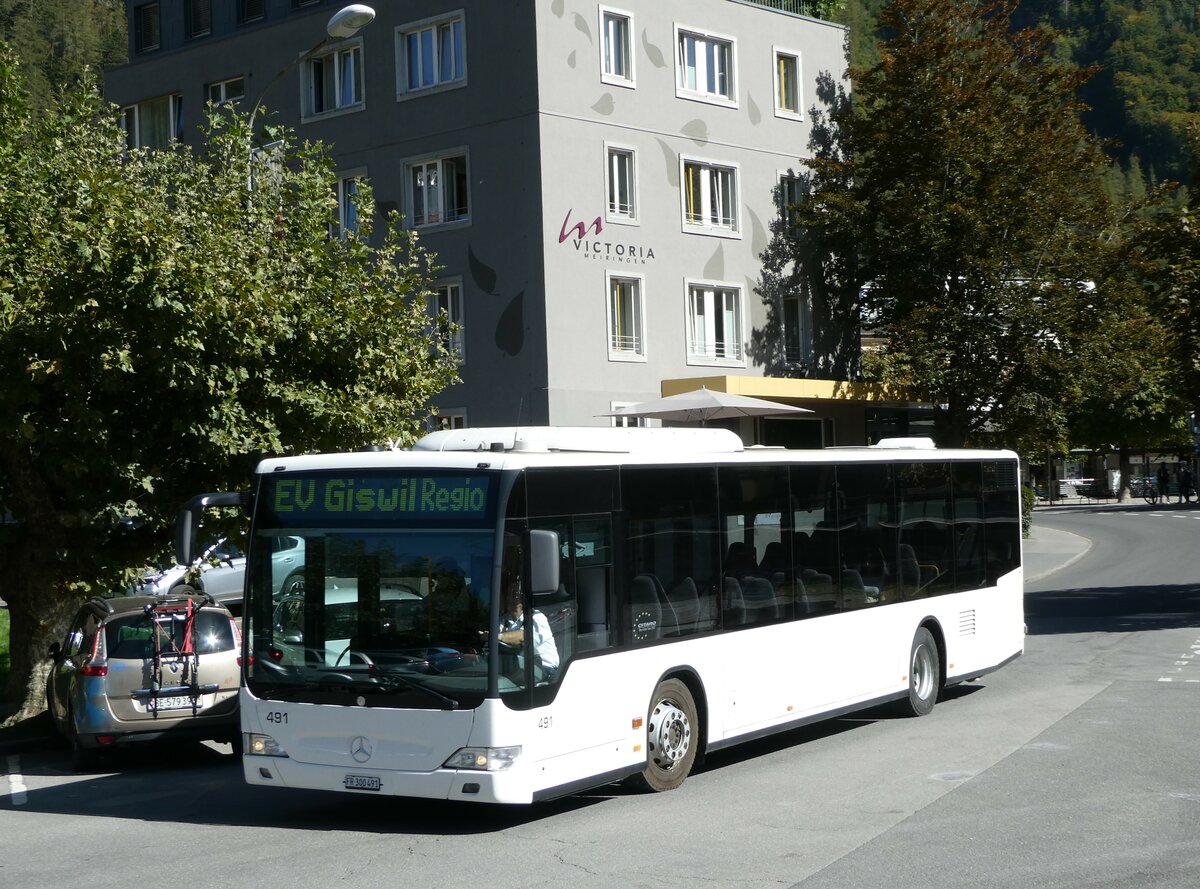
705	404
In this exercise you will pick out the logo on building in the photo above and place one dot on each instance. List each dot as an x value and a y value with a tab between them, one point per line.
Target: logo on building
588	241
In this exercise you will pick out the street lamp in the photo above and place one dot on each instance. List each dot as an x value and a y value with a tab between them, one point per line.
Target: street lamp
344	23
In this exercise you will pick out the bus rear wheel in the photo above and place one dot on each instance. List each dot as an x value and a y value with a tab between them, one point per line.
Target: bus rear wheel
924	675
671	727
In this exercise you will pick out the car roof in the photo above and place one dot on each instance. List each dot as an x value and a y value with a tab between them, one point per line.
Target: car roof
119	606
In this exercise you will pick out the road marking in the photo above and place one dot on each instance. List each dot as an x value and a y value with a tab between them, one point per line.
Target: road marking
16	784
1187	659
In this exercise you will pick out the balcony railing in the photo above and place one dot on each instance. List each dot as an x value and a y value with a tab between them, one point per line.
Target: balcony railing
810	8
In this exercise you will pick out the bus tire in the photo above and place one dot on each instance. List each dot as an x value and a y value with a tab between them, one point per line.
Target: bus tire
671	737
924	675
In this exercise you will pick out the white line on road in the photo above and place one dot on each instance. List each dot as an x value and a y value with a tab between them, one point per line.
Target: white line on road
16	784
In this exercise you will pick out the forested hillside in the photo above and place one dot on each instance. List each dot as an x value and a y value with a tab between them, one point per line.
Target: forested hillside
1147	91
57	39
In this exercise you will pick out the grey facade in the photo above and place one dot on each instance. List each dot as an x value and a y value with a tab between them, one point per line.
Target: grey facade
597	179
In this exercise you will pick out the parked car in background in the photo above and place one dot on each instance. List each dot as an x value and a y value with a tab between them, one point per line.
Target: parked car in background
223	573
145	668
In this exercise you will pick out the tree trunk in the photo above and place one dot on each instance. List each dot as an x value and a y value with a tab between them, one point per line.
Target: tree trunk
1124	492
40	601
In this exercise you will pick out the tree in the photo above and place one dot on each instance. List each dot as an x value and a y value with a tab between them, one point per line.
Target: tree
58	40
166	318
972	192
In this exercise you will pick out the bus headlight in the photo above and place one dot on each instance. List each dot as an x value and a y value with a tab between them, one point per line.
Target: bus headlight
484	759
263	745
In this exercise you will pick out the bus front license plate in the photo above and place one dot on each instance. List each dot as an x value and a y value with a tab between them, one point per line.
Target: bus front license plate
361	782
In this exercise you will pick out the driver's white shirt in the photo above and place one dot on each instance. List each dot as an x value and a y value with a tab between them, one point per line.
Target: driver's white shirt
543	638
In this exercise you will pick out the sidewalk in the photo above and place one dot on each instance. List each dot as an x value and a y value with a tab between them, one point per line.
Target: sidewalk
1047	550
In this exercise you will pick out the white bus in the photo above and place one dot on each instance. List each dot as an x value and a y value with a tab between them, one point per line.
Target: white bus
687	594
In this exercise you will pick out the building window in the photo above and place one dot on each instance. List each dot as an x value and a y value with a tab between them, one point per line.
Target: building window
146	27
714	324
251	11
198	18
438	190
155	123
224	92
447	300
335	80
625	319
789	197
705	67
622	185
347	189
709	197
450	418
629	422
787	84
616	57
432	54
795	328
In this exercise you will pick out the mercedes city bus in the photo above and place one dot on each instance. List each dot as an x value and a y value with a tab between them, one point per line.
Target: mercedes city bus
513	614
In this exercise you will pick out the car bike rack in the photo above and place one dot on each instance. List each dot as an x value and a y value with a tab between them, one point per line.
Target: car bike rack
180	658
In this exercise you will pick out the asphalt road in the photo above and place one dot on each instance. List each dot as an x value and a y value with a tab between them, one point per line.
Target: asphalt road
1076	766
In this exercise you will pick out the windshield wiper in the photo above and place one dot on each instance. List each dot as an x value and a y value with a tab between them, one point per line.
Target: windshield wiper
382	683
448	703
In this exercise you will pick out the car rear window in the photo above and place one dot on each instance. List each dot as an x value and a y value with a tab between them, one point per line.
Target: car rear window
132	637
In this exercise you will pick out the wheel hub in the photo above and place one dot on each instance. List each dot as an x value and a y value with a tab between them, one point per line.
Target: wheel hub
670	734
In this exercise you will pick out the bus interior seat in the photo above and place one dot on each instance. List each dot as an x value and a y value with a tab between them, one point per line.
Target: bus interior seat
855	593
684	598
645	609
759	596
733	606
739	560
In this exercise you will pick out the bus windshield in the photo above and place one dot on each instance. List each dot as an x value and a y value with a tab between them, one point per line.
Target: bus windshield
372	590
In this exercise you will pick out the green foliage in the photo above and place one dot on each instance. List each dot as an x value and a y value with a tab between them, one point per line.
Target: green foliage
971	192
164	324
58	40
1028	501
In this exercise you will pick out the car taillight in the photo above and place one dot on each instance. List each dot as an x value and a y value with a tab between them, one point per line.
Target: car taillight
95	665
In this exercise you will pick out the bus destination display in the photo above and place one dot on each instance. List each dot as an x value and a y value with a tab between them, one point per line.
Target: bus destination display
336	499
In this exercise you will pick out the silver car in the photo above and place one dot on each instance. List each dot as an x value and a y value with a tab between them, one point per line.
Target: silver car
223	573
145	668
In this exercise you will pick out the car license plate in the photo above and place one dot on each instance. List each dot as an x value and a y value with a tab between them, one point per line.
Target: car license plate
177	703
361	782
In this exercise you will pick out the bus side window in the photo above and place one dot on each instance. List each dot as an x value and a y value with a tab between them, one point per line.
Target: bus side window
592	597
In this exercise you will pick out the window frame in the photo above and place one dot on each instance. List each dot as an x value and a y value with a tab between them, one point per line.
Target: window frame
404	89
800	332
457	342
174	122
308	109
708	227
638	354
781	110
411	196
728	99
610	215
226	99
249	16
704	357
612	77
344	195
190	10
140	42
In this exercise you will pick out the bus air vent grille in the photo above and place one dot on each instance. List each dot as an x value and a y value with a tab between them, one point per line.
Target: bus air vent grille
966	623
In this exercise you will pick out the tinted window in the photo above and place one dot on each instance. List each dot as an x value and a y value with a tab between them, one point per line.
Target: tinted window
867	537
132	637
756	572
669	586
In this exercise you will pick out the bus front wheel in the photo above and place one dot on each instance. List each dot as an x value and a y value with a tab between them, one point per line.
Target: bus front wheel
671	737
924	675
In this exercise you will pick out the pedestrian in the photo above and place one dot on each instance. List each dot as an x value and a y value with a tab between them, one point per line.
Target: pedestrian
1164	481
1185	484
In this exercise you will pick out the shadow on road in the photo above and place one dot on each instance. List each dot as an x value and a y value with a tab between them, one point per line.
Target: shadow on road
200	784
1113	609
